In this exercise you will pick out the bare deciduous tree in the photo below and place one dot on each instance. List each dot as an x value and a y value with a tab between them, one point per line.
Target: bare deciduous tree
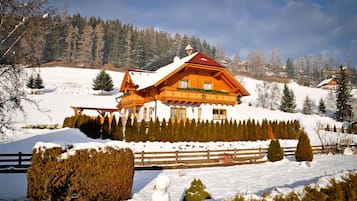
17	19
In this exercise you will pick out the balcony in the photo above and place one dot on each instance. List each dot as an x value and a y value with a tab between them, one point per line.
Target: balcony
131	100
182	96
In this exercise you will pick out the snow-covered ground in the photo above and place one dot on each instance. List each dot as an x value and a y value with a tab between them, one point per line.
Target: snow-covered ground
65	87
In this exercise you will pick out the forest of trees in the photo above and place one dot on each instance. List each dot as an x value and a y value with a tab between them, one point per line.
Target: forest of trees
94	42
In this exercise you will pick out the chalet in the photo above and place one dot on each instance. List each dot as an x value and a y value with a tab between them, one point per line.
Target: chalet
329	83
193	87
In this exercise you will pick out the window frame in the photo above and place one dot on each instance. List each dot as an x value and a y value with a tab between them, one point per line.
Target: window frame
183	84
219	114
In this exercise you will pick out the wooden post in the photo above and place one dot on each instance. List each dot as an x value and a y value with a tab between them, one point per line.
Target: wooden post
208	155
176	156
235	154
20	158
142	157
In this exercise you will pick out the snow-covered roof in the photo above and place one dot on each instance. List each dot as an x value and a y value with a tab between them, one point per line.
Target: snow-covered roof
145	79
324	82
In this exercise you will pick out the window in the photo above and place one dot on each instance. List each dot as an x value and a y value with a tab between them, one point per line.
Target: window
207	86
177	113
219	114
184	84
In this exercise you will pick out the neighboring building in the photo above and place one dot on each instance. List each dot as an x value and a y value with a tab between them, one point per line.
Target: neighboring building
194	87
330	83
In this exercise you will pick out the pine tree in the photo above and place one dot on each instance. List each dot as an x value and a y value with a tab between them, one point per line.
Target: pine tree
307	107
86	45
275	152
31	83
103	82
290	68
105	128
38	82
343	96
322	107
288	100
304	149
99	43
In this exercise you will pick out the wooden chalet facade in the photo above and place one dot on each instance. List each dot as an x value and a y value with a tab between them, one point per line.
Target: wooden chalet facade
194	87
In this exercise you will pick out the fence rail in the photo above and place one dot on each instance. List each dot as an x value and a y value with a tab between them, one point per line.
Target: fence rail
20	162
15	163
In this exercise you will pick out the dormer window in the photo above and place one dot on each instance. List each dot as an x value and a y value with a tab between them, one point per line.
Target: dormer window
184	84
207	86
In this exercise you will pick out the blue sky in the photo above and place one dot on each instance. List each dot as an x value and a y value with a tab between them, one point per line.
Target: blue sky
292	28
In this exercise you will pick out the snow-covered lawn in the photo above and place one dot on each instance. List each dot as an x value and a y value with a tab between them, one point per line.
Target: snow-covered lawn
65	87
221	182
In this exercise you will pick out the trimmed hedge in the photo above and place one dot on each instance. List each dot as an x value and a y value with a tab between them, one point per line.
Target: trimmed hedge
304	149
275	152
87	174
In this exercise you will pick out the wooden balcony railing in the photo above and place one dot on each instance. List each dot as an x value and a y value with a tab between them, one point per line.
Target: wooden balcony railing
196	97
131	100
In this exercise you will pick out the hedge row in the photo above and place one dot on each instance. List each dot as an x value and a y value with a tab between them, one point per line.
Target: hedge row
205	131
86	175
188	130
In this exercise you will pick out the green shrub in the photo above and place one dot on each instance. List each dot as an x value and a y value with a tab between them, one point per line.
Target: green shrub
86	175
304	149
196	191
275	152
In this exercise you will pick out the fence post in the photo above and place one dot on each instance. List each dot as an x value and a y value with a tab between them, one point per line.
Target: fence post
208	155
142	157
176	156
235	154
20	158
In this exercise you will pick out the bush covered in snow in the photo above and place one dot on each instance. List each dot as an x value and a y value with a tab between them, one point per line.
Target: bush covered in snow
81	172
304	149
275	152
196	191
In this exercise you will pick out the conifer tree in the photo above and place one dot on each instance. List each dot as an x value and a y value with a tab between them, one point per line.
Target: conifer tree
38	82
128	130
275	152
105	128
163	131
322	107
288	100
142	131
307	106
170	132
290	68
151	131
31	83
86	45
113	128
119	132
304	149
343	96
103	81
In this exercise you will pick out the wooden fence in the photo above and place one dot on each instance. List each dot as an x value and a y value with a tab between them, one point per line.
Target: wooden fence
15	163
19	163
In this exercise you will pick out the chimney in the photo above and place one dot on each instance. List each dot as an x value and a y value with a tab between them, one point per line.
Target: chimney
188	49
176	59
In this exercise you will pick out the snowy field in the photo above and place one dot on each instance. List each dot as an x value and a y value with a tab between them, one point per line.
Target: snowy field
65	87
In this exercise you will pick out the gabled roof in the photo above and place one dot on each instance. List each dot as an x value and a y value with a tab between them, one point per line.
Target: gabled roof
144	79
325	82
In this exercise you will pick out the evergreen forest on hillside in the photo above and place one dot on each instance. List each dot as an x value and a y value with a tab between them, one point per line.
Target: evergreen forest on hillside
94	42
